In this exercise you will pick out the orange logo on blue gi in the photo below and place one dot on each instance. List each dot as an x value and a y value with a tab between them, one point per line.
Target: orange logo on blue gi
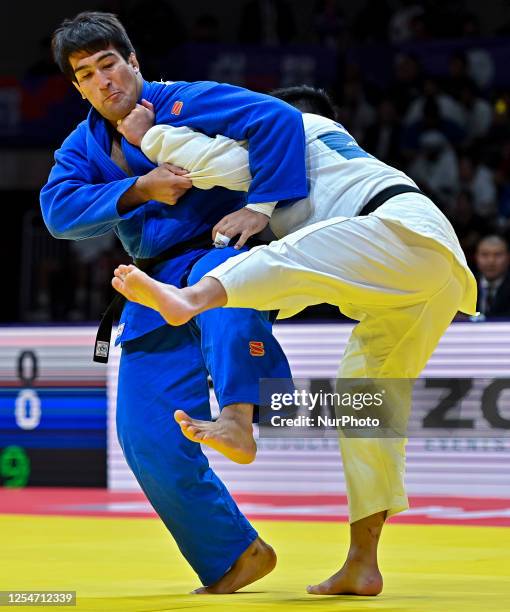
257	348
177	108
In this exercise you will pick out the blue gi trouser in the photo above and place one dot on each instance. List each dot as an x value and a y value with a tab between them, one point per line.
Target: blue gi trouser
167	369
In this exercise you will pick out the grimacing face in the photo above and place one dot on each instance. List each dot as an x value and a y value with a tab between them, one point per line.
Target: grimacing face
492	259
110	83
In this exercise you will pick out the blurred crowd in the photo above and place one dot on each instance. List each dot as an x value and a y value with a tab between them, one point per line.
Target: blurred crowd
451	137
451	134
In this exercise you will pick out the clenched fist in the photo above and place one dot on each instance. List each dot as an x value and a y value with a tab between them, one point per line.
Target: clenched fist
137	123
163	184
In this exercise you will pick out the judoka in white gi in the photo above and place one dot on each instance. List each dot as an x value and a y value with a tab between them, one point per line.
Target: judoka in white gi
399	271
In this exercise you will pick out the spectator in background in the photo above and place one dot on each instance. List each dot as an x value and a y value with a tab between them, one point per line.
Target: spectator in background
493	263
436	169
479	180
92	259
421	28
402	23
429	119
383	138
469	226
477	113
450	111
355	112
71	284
53	299
458	75
267	22
407	82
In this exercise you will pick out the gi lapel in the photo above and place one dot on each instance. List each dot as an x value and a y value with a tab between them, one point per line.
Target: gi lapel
99	148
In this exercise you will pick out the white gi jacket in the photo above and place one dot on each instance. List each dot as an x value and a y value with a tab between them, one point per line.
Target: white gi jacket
399	271
341	181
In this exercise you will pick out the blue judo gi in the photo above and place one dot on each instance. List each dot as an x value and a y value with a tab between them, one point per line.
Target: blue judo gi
163	368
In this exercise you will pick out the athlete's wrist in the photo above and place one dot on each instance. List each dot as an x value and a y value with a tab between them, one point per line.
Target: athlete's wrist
142	188
266	208
133	197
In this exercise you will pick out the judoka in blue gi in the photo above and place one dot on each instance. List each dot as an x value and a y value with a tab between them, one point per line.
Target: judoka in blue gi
101	183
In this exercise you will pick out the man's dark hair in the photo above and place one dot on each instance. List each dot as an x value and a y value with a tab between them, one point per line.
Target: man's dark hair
307	99
91	32
495	237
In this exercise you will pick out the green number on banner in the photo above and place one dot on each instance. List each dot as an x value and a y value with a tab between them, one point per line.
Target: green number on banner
14	467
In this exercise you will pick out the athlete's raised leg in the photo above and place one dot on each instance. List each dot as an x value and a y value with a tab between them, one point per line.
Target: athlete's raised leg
177	306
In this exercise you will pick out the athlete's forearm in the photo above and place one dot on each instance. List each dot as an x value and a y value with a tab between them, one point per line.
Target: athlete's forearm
74	205
273	129
161	185
132	198
210	162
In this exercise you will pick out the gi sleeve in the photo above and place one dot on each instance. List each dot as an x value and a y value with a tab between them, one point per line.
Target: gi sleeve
266	208
73	206
210	162
274	131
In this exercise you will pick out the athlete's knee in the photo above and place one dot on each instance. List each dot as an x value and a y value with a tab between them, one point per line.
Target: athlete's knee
211	260
174	473
177	463
197	272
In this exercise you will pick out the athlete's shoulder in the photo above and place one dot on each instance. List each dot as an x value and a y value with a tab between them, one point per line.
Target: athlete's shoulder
171	98
317	124
158	90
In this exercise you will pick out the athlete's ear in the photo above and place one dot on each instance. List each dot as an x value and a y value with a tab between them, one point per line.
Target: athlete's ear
79	89
133	62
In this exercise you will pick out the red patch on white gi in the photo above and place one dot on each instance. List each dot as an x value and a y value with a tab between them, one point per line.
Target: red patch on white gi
177	108
257	348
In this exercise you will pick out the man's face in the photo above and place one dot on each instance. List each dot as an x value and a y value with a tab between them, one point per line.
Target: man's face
492	259
109	82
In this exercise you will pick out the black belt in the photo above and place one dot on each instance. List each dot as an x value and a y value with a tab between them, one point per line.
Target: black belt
384	195
104	333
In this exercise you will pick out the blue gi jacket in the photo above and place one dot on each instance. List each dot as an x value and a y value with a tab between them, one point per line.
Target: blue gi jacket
80	198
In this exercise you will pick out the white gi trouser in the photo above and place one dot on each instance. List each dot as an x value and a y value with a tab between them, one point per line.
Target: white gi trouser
402	287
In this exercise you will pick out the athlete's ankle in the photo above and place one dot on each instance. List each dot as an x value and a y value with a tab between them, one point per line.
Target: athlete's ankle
240	414
362	556
194	298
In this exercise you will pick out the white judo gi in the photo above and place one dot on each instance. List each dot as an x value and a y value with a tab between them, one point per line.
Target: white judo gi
399	271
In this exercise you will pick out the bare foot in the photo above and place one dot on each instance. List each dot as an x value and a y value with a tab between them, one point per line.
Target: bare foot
229	436
257	560
138	287
355	578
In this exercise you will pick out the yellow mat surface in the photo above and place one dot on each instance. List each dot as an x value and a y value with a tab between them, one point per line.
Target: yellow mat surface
133	565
